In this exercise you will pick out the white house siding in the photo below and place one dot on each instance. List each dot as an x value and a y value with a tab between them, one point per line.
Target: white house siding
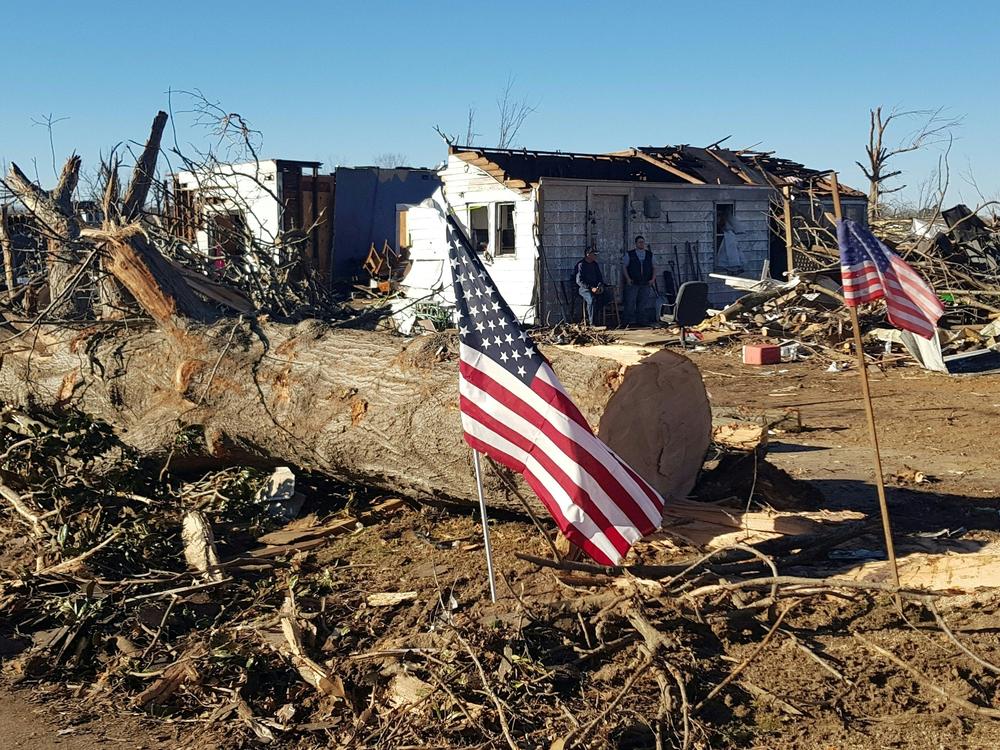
249	189
429	276
514	275
687	214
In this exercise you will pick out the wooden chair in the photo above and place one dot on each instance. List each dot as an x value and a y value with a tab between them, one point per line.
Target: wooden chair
611	307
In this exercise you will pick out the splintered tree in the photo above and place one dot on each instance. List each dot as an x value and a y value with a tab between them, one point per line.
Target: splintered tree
931	126
194	375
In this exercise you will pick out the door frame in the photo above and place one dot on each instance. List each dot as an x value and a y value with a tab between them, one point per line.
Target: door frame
593	191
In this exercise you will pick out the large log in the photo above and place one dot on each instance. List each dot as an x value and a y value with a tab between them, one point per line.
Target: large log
357	405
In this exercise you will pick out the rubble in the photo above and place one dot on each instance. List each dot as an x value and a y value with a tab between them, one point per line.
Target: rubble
378	634
806	313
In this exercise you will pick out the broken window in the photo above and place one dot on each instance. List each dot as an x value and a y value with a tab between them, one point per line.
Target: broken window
505	229
723	216
857	212
728	257
479	226
227	234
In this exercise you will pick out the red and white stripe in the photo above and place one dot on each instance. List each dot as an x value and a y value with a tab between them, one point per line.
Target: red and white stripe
598	502
910	302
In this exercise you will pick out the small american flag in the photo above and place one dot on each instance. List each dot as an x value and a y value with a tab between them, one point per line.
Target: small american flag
870	270
515	411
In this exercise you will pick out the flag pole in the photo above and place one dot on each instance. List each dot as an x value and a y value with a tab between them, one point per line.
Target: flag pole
870	413
786	195
486	526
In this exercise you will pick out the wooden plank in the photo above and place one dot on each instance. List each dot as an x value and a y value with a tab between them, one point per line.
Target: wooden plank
669	168
295	540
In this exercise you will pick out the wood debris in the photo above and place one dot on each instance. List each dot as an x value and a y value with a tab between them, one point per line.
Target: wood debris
199	546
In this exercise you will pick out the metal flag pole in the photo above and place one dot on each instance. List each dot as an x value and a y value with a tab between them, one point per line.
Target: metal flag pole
486	525
870	413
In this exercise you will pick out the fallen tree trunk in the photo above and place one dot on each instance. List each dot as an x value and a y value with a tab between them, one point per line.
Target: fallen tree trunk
357	405
360	406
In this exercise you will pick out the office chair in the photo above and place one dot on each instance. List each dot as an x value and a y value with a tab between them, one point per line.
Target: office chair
690	307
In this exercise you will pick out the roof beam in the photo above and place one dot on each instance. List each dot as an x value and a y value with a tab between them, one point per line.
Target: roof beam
664	166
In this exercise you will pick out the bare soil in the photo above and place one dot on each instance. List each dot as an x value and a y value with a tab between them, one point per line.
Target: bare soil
814	684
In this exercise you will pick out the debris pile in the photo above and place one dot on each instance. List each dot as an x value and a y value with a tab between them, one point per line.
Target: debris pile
960	258
364	621
577	334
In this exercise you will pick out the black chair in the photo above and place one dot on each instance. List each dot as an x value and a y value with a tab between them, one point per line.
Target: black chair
690	308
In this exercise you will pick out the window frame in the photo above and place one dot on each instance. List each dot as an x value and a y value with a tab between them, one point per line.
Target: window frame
473	236
718	231
499	250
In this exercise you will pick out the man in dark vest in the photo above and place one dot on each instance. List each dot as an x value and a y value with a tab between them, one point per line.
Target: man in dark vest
638	273
590	283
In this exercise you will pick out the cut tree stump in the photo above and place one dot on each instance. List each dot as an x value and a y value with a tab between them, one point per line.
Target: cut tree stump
356	405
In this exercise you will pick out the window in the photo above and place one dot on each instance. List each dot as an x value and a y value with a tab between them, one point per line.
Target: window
723	215
479	226
856	212
227	235
505	229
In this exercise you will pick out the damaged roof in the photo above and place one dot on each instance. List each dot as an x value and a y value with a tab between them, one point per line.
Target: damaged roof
721	166
521	169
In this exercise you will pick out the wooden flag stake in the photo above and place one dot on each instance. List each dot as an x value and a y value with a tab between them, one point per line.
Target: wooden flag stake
870	413
486	526
786	195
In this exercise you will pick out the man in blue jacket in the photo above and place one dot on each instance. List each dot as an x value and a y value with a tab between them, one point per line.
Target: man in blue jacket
590	283
638	273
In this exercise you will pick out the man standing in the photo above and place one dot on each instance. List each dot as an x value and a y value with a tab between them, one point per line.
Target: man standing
590	282
637	268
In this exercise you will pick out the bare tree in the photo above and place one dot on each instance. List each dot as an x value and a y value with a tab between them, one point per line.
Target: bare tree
470	128
513	112
389	160
48	122
470	131
932	127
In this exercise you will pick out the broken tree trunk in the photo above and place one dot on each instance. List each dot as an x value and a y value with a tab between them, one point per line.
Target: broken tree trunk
7	247
54	210
121	244
357	405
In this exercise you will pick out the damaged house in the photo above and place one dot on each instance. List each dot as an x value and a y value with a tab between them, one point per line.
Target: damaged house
223	209
331	219
701	211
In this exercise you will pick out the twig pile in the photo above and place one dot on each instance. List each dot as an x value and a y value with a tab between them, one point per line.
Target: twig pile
371	629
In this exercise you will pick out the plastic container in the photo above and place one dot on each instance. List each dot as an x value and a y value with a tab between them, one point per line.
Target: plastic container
761	354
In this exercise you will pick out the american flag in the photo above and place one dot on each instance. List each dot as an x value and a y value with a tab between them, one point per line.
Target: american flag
870	270
515	411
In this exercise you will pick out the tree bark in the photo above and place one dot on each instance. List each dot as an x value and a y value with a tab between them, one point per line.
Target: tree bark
7	248
143	173
357	405
54	210
111	295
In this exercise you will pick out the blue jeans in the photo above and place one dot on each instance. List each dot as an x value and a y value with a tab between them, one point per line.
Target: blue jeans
638	300
593	304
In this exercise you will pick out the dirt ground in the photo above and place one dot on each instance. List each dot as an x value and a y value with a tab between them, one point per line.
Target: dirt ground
813	683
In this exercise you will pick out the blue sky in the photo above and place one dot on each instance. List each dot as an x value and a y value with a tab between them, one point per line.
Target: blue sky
344	82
